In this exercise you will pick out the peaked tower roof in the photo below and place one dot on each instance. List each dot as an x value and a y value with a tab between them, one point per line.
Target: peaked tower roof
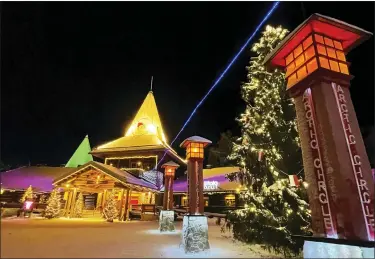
144	133
82	154
147	120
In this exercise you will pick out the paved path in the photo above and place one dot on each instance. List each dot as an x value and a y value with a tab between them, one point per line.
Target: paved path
78	238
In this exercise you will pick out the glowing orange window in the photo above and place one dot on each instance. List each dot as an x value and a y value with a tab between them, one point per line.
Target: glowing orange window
337	44
298	50
328	42
312	65
301	73
318	38
331	53
340	55
334	66
321	50
344	68
309	53
324	62
292	79
299	61
289	58
290	69
307	42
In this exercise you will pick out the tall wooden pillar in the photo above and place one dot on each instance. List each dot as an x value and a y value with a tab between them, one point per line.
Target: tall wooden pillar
127	204
69	201
73	202
121	204
195	154
200	186
341	189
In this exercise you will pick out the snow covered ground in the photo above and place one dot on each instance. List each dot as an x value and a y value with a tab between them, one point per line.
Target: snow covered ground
84	238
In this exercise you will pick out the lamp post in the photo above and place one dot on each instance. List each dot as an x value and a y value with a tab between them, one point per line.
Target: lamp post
195	227
167	214
341	191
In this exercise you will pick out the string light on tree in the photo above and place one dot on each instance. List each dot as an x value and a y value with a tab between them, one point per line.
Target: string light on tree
269	155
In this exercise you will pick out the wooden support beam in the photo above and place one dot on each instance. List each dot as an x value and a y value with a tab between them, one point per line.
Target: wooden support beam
73	202
68	203
127	204
121	203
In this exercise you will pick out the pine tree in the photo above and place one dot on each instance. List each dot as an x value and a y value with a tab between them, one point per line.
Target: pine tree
28	194
218	154
110	209
43	199
53	205
78	206
267	152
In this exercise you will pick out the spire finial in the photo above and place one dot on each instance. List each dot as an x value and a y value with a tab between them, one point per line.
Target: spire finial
152	79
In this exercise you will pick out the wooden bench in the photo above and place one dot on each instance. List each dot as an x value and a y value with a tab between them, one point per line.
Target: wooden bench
135	211
148	212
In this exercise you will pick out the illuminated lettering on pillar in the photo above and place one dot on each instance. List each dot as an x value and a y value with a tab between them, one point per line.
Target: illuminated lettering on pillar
367	201
329	226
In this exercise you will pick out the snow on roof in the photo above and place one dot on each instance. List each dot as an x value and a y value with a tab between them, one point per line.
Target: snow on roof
121	175
40	178
197	139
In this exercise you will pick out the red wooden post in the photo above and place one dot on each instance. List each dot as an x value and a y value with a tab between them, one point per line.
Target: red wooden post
341	191
170	168
195	154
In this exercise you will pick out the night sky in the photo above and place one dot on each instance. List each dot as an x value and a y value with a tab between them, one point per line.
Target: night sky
71	69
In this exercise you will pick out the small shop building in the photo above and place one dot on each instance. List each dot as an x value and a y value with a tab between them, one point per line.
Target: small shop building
220	194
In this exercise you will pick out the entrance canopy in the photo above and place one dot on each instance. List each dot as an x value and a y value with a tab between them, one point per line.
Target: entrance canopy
95	177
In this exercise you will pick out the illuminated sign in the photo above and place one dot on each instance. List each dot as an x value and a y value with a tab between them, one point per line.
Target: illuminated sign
210	185
28	204
318	167
362	186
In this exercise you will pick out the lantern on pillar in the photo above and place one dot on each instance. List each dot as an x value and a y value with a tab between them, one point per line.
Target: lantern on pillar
335	160
195	223
170	168
166	217
195	154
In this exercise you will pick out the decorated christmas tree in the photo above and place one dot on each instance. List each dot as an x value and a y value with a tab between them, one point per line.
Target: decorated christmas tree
78	206
43	199
267	153
53	205
110	208
28	194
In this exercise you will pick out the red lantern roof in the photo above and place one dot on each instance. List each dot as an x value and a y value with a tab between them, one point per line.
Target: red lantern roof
349	35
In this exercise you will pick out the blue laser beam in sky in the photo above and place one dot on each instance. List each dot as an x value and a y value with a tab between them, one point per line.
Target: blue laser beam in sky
274	6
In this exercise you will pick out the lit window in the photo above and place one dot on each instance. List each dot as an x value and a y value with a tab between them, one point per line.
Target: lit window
299	61
318	38
312	65
334	66
321	50
344	68
298	51
331	53
337	45
310	53
307	42
289	58
324	62
290	69
340	55
328	42
230	200
301	73
292	79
